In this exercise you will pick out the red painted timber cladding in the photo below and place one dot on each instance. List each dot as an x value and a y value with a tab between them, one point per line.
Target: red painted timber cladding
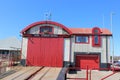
92	61
45	52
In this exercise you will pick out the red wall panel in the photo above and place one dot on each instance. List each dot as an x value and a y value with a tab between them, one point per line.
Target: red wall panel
92	61
45	52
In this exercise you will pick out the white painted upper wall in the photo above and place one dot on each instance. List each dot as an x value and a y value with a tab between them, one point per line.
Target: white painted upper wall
56	29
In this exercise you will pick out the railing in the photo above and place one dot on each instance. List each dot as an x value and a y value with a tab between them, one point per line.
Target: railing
88	73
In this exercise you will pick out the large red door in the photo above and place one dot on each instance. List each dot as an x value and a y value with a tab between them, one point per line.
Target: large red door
92	61
45	52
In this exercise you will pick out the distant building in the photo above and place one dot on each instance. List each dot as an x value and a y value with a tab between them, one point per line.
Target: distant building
10	49
48	43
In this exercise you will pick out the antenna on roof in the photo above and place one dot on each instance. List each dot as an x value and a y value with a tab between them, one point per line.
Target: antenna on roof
48	16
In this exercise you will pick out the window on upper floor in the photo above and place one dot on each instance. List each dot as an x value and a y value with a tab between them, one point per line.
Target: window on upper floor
96	31
46	29
96	38
82	39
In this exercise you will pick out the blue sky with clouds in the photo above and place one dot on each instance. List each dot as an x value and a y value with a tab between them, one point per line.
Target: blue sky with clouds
17	14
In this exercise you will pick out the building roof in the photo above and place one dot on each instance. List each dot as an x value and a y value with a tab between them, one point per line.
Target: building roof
69	30
104	31
11	43
46	22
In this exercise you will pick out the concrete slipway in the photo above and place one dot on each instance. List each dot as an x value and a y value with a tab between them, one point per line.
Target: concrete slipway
53	73
35	73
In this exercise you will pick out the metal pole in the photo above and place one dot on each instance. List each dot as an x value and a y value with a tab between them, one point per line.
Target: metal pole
9	59
90	74
112	39
103	22
113	52
111	14
87	72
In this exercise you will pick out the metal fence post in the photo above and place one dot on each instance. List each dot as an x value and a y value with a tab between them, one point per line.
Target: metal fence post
90	74
87	73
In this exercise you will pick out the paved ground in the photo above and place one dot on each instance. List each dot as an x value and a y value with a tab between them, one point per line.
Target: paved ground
23	72
78	74
114	77
46	73
51	73
96	75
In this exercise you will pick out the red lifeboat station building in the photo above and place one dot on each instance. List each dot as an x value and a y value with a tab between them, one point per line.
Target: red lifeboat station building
48	43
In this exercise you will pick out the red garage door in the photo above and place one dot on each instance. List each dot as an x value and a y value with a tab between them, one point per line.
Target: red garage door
45	52
92	61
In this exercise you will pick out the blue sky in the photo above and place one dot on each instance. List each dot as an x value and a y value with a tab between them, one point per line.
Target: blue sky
17	14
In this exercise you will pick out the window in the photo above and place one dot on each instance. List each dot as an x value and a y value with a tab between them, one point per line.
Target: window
96	38
46	29
96	31
81	39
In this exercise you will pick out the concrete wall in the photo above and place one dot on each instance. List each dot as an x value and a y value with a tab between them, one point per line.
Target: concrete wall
24	47
66	51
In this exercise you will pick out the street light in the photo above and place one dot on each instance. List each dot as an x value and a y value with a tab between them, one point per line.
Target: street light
111	17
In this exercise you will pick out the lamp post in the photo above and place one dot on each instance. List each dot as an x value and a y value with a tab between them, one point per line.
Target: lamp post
111	17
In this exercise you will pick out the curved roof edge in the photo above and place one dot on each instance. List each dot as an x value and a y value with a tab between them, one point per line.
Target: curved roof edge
46	22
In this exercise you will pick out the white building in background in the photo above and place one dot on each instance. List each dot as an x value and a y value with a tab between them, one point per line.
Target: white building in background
10	49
